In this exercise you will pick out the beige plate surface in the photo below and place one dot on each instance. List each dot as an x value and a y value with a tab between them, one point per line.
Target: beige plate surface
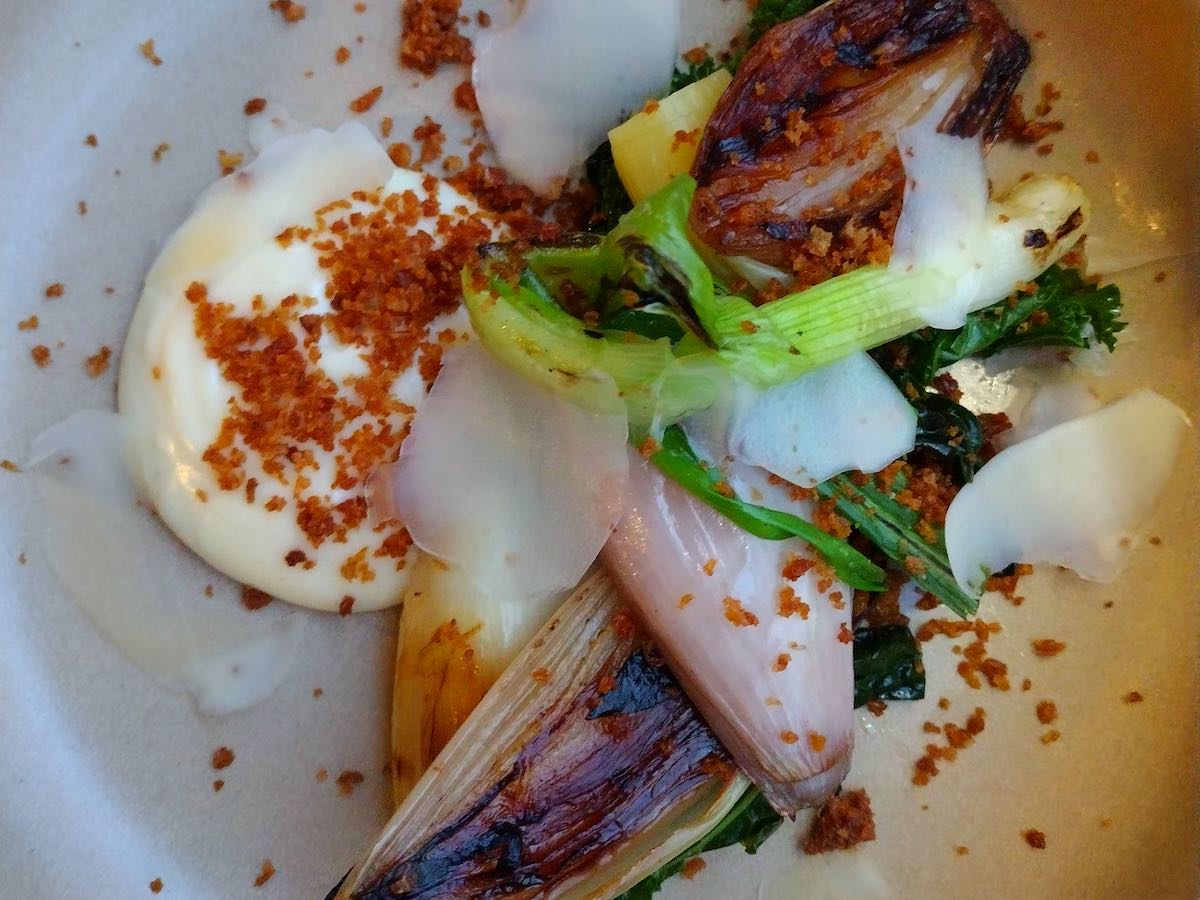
105	779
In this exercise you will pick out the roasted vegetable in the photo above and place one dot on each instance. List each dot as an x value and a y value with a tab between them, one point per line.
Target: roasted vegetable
764	655
582	771
805	135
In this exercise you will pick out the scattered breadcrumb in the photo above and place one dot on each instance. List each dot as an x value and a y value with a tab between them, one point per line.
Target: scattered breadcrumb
385	127
290	11
317	692
55	290
228	161
430	136
253	598
1091	156
161	151
957	738
348	781
692	868
156	886
1051	736
962	851
464	97
97	363
361	104
342	55
738	614
268	868
845	821
82	207
9	466
91	140
710	566
346	606
1035	839
430	35
360	7
1047	647
1134	697
147	49
254	106
41	355
1047	712
321	775
29	324
217	785
222	758
816	741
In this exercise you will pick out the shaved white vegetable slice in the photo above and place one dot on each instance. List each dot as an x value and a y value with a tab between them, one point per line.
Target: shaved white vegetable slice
517	486
551	84
980	250
847	415
1072	496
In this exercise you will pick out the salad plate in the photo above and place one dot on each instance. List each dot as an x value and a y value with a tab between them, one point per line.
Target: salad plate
117	782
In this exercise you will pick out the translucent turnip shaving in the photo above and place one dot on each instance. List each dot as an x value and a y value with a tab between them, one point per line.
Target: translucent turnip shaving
551	84
516	486
847	415
1074	495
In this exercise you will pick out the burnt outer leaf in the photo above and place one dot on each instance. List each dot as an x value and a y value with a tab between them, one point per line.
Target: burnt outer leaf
805	135
627	746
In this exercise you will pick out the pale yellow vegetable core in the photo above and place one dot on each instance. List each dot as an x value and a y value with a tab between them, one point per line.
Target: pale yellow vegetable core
660	142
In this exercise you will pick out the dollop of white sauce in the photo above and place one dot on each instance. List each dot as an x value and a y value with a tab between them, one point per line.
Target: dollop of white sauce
174	398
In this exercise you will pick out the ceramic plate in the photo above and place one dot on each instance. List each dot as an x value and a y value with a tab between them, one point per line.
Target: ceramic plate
106	778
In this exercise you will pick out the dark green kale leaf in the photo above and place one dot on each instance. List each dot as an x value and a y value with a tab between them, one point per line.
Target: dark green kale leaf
612	200
750	823
1064	311
950	430
692	73
769	13
887	665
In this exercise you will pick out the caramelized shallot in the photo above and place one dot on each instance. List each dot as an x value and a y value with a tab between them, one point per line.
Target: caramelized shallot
803	143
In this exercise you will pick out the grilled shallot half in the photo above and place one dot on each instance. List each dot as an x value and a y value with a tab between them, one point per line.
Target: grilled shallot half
803	142
582	771
756	631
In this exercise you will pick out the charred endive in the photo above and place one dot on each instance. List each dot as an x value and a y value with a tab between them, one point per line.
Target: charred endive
834	86
454	640
584	769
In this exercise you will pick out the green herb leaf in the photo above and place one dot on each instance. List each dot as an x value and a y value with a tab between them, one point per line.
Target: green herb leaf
887	665
653	325
612	200
750	823
678	461
769	13
1064	311
950	430
692	73
893	529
